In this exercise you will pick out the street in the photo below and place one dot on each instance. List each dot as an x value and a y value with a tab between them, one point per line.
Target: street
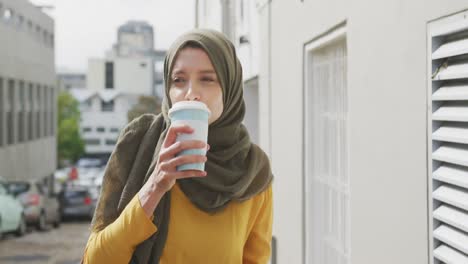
64	245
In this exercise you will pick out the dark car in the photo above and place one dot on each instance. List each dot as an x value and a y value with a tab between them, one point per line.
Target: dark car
41	207
77	202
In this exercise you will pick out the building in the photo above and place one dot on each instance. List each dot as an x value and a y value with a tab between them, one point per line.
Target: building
364	114
28	148
135	39
239	21
66	80
114	83
103	115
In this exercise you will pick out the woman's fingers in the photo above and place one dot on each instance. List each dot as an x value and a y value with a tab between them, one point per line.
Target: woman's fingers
177	147
172	134
188	174
171	164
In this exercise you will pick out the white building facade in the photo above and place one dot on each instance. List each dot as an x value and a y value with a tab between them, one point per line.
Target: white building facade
363	109
114	83
28	148
239	21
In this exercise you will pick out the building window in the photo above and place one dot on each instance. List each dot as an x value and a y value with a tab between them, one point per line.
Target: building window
30	112
326	175
11	113
109	75
21	112
2	110
100	129
110	142
107	106
114	130
448	139
7	15
30	26
92	142
87	129
37	111
20	22
52	103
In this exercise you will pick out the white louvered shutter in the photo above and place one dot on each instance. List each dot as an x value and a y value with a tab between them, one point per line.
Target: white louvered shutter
448	143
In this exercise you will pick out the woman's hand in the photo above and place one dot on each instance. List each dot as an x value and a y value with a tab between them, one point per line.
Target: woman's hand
165	173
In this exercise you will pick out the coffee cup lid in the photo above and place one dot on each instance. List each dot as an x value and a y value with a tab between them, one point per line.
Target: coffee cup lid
189	105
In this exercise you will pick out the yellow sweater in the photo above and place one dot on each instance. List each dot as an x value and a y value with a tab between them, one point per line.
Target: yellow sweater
239	234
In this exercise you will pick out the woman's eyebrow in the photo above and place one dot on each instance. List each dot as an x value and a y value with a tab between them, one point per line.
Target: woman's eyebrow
207	71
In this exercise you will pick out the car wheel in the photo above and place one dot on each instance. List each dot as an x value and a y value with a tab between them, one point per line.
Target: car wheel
42	222
22	227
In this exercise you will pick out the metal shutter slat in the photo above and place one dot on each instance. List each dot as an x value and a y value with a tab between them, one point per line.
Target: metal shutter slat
452	133
452	216
452	112
456	154
451	195
449	255
454	92
452	174
452	237
450	49
454	70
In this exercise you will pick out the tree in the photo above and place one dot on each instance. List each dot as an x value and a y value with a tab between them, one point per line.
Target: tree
70	144
146	104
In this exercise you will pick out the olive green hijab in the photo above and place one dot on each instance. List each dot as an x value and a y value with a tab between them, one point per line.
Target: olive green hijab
236	168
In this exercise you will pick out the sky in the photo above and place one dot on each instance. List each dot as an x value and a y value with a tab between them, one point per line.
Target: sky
88	28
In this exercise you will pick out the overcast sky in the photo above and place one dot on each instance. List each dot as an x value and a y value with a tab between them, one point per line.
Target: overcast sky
87	28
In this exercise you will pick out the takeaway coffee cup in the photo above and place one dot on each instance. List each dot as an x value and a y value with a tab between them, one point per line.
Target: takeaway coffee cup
194	114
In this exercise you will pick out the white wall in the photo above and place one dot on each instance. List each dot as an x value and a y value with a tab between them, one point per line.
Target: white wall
29	57
387	120
131	77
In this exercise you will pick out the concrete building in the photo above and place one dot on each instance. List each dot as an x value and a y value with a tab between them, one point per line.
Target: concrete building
103	115
239	21
67	80
135	39
27	92
364	113
130	69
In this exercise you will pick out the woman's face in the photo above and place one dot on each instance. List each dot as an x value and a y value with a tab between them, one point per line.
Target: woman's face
194	78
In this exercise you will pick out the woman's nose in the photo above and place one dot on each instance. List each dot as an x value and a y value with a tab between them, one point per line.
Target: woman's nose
192	93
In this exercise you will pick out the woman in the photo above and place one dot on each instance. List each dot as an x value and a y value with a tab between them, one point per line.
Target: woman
150	213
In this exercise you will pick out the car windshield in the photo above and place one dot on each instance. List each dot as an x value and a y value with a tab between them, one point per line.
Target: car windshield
75	193
18	187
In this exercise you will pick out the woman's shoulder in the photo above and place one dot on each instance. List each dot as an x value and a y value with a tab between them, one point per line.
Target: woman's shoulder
142	122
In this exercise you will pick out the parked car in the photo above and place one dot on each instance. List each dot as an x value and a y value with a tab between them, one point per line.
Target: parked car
77	201
41	207
12	218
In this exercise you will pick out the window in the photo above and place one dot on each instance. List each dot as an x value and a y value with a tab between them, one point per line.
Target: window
107	106
30	26
87	129
38	105
21	112
448	139
2	110
11	113
109	75
114	130
92	142
101	129
111	142
20	21
30	112
327	191
7	15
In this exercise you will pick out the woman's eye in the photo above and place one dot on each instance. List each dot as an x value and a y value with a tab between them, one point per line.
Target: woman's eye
178	80
207	80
